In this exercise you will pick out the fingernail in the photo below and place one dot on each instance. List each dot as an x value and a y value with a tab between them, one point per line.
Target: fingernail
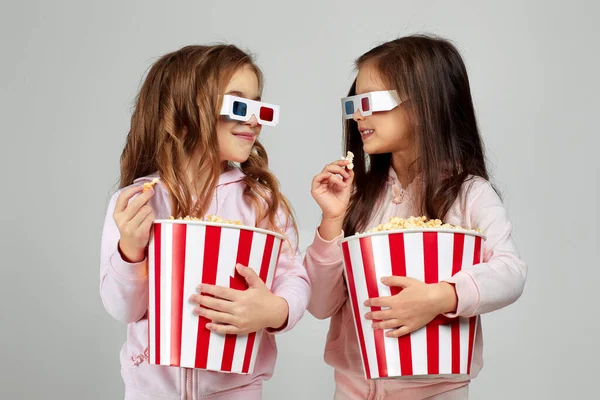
199	288
384	279
209	326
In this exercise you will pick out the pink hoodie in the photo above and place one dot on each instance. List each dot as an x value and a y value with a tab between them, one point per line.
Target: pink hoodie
489	286
124	292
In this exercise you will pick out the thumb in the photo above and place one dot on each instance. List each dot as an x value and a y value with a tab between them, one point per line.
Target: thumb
398	281
250	276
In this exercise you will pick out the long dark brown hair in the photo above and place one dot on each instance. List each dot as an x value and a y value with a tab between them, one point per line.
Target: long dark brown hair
175	116
430	72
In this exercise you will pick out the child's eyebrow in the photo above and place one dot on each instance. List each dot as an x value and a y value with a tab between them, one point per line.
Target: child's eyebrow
240	94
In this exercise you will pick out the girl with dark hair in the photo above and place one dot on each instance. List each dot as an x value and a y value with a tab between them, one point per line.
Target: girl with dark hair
411	125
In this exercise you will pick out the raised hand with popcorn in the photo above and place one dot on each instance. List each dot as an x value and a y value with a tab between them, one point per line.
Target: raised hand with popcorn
331	189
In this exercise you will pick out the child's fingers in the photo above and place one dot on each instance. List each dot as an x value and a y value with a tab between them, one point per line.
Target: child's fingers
403	330
320	179
384	301
137	203
389	324
214	303
215	316
139	218
219	291
350	176
329	180
224	329
379	315
252	279
341	163
399	281
147	222
336	180
124	197
336	169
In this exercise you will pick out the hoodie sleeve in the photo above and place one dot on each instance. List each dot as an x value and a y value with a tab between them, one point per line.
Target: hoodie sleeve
324	264
123	285
500	279
291	280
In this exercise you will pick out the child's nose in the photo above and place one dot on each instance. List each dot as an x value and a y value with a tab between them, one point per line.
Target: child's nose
357	116
253	121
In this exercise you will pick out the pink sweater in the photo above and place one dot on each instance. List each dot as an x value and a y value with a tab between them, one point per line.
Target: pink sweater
124	292
489	286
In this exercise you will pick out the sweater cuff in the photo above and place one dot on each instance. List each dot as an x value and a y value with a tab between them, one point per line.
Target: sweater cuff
467	294
129	271
326	251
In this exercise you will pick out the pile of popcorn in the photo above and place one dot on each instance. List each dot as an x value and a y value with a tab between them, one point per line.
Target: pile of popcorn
209	218
415	223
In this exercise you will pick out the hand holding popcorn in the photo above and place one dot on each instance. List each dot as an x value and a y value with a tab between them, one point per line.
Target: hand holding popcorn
332	188
134	219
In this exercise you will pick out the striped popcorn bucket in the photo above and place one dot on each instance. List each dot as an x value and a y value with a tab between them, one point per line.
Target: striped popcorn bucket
182	254
444	347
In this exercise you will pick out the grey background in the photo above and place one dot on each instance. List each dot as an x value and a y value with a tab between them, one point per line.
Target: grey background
68	77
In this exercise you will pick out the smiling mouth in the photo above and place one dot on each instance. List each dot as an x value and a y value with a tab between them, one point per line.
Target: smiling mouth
244	136
364	134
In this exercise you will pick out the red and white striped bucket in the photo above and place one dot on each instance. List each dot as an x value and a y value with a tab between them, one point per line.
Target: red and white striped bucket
183	254
444	346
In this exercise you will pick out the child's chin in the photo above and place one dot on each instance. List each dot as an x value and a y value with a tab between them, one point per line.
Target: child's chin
370	149
241	159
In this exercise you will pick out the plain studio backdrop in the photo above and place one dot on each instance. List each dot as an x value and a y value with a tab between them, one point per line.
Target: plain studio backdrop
69	74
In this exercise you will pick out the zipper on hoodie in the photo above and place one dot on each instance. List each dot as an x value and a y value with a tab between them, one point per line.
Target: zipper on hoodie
189	393
373	392
187	390
186	393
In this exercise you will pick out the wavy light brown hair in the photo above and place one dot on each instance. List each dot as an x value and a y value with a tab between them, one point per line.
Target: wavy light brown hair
175	116
430	73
